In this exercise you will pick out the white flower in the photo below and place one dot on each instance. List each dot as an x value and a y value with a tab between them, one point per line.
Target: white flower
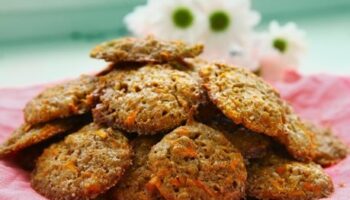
168	19
136	22
228	22
288	41
241	56
229	32
226	27
247	56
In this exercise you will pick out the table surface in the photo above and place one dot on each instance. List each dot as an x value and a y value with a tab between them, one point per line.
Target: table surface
40	61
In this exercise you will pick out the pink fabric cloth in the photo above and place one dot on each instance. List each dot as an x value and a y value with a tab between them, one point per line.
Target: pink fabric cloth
322	99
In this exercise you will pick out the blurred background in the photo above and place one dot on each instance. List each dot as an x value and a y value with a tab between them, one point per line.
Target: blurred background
45	40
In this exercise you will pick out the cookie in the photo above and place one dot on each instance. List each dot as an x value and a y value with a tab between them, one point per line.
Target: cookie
276	177
27	157
133	185
197	162
82	166
147	100
71	98
145	50
27	135
329	149
246	99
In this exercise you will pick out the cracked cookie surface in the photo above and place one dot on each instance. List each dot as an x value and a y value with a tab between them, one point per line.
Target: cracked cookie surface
147	100
329	149
145	50
276	177
248	100
197	162
82	166
62	100
27	135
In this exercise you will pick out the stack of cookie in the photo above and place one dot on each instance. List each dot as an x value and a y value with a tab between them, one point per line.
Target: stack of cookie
160	123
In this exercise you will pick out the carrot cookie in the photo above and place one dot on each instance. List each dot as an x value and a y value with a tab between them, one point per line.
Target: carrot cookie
63	100
145	50
147	100
246	99
329	149
82	166
197	162
27	135
276	177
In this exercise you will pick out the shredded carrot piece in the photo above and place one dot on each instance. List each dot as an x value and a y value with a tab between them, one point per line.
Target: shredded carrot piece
27	127
189	152
73	108
234	164
71	166
155	181
165	54
93	188
183	131
201	185
153	184
281	170
90	99
309	186
130	120
150	187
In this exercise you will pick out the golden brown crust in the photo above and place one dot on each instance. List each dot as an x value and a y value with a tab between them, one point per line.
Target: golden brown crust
197	162
276	177
246	99
147	100
63	100
145	50
27	135
298	139
133	184
330	150
151	89
82	166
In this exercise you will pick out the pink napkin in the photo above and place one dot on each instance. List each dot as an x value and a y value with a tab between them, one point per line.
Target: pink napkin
14	182
322	99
